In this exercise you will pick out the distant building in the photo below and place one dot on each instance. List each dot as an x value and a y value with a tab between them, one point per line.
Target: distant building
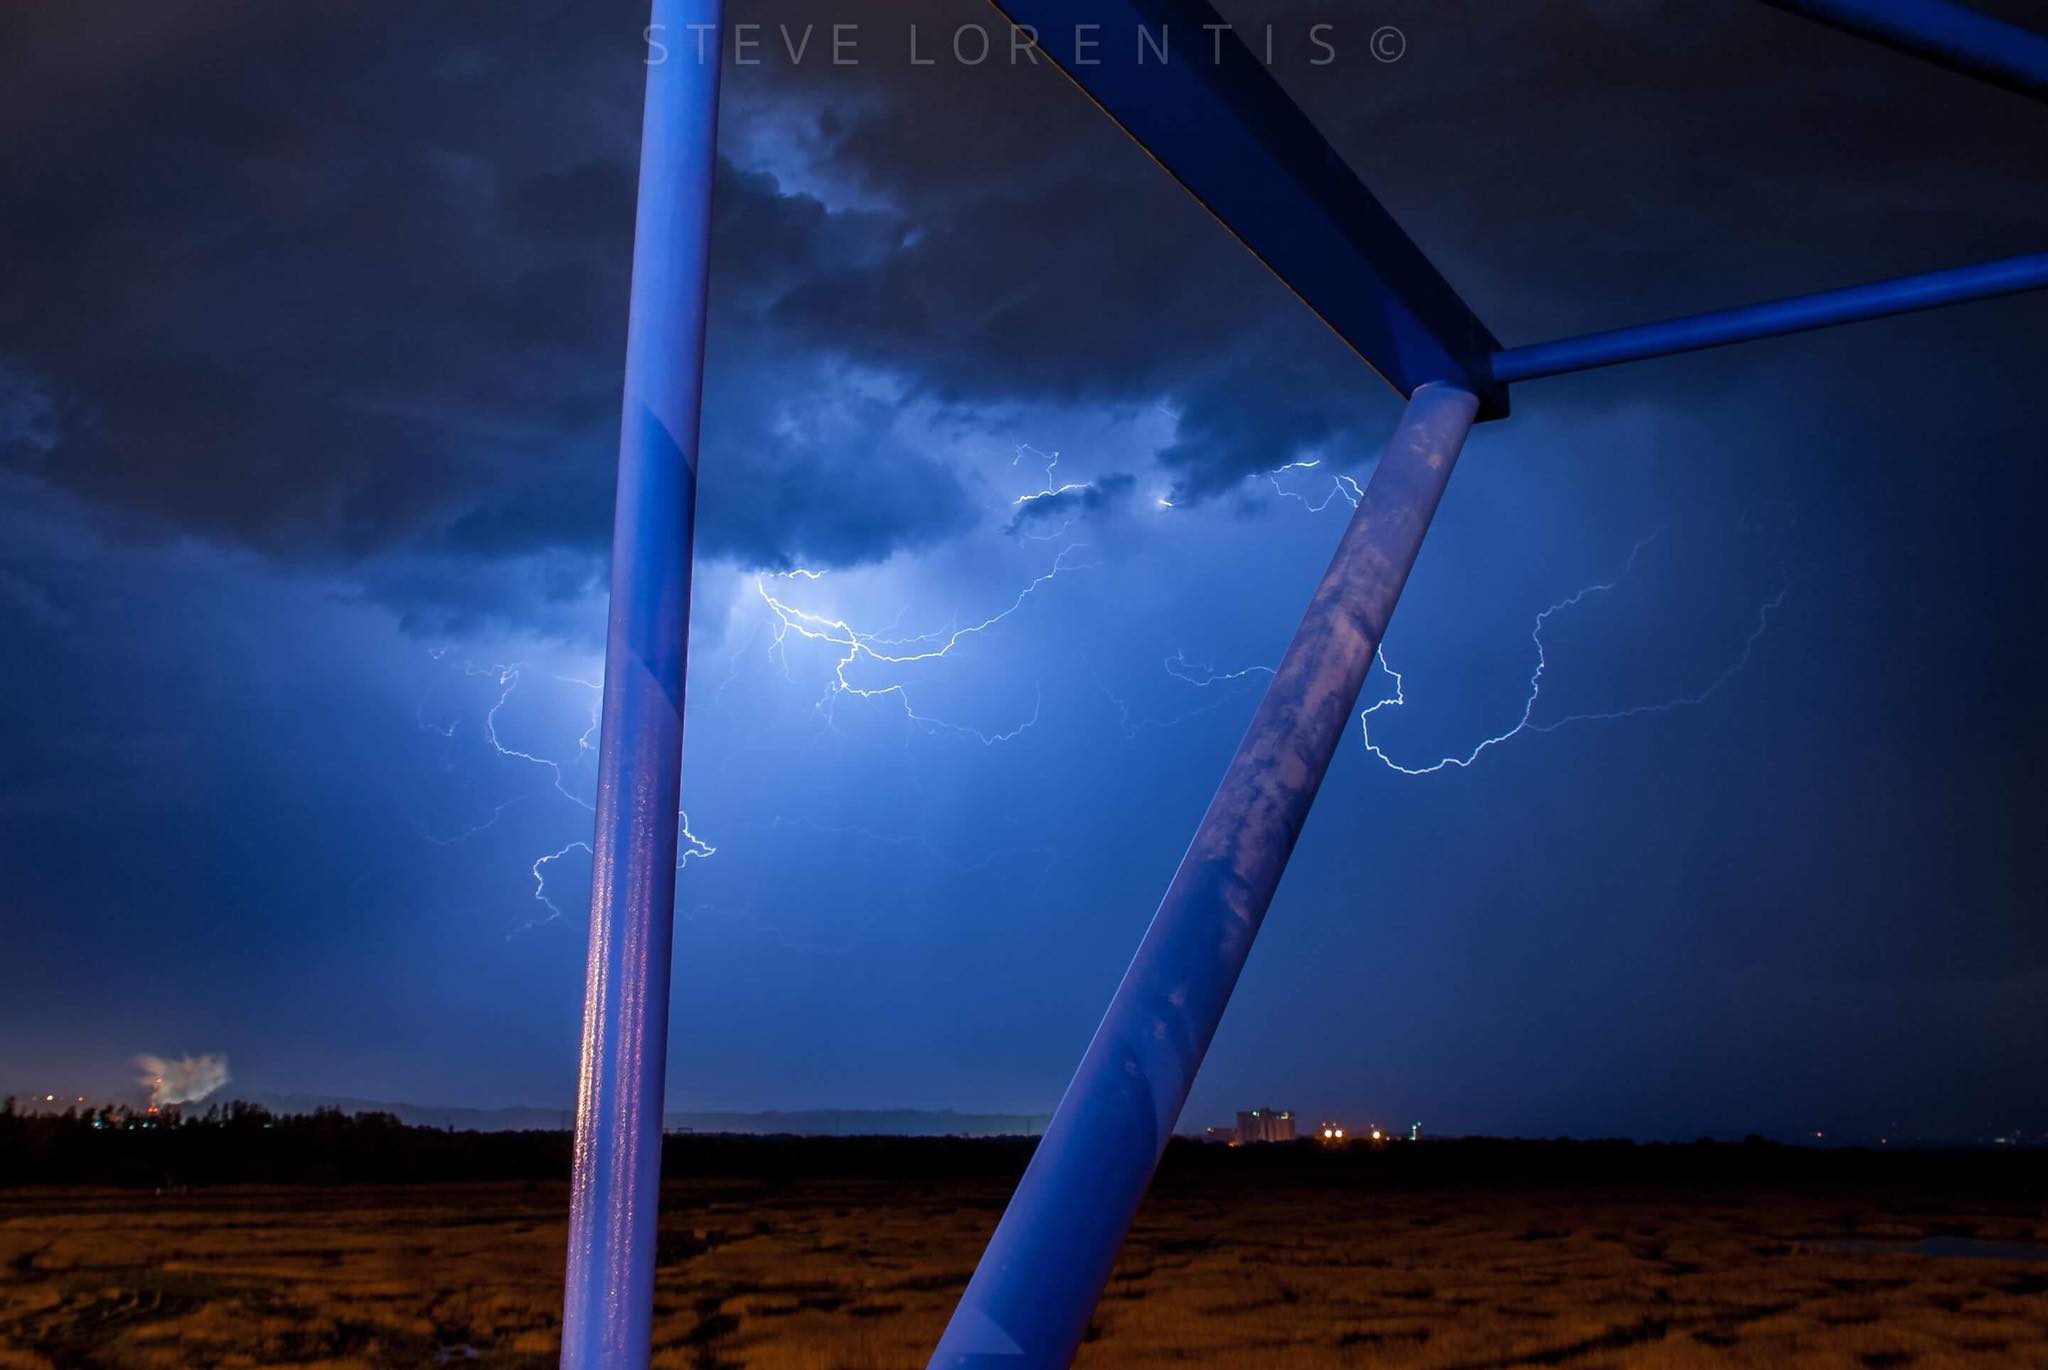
1264	1125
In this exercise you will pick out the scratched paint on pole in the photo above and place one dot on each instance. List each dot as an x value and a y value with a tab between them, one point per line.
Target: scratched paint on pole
1029	1301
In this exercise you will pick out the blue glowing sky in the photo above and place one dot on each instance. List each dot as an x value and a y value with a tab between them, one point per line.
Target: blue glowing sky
309	358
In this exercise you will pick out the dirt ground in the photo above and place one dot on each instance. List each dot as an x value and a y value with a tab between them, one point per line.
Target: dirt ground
857	1274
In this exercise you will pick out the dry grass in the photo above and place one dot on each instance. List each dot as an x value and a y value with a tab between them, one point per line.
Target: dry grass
824	1275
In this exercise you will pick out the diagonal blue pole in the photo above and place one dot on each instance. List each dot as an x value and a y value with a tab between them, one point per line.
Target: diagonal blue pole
1028	1303
1944	32
607	1305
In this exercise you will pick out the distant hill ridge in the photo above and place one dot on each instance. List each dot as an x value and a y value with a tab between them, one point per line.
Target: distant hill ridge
809	1122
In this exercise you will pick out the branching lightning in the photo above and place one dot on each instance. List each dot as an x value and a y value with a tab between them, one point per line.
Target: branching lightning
1527	723
880	650
1202	676
860	656
1052	462
540	877
1205	676
854	646
506	678
1049	490
1342	487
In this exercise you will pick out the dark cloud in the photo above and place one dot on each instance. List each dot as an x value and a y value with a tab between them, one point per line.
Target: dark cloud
339	283
1664	159
291	278
361	291
345	285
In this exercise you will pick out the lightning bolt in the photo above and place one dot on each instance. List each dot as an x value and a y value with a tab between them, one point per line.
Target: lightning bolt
859	652
1052	462
539	871
1341	487
1205	676
854	647
1201	675
1048	491
855	651
1527	723
506	678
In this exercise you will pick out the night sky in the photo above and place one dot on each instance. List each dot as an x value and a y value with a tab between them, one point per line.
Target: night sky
312	322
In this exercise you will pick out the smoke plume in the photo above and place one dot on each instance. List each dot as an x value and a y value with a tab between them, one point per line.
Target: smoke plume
186	1080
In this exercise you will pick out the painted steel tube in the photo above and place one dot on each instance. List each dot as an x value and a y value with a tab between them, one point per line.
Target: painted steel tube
1213	116
1941	31
607	1306
1878	299
1029	1301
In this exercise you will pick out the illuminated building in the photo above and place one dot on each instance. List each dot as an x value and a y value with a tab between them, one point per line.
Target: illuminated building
1264	1125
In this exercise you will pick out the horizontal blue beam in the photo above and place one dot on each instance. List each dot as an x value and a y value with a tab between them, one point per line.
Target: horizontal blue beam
1954	36
1796	315
1176	78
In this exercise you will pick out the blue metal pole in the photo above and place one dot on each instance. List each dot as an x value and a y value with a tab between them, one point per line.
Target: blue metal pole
1213	116
1955	36
1029	1301
1796	315
607	1306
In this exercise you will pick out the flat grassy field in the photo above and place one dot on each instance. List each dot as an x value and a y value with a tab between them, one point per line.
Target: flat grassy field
1222	1269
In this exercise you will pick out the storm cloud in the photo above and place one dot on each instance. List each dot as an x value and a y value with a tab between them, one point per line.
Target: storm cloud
310	351
361	288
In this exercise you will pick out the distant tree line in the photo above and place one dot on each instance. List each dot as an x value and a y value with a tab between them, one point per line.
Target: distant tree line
241	1143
